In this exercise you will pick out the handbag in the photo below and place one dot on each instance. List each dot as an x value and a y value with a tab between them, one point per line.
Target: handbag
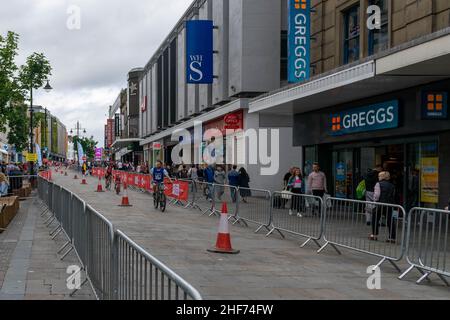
286	195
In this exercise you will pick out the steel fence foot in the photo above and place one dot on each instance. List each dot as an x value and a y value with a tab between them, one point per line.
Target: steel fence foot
270	232
443	279
63	247
379	264
57	233
424	273
65	254
44	212
50	222
308	241
48	219
395	265
425	276
54	230
81	285
406	272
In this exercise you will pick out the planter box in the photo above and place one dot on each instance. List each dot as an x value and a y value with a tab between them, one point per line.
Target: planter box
9	212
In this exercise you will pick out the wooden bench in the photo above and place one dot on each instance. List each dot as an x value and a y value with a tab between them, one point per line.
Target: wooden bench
9	208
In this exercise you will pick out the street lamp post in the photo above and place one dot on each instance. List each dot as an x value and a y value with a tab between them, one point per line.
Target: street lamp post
78	128
47	88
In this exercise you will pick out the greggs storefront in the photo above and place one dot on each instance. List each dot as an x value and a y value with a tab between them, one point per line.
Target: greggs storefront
406	133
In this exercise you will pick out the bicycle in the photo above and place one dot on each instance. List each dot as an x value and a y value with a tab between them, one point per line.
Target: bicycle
117	183
108	181
159	197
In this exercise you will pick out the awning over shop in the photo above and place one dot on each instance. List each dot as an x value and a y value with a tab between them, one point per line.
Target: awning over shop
124	143
418	62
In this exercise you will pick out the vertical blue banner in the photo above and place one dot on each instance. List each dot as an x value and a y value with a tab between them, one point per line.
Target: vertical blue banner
199	51
299	40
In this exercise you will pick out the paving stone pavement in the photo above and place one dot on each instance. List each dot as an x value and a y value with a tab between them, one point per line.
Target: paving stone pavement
266	268
30	268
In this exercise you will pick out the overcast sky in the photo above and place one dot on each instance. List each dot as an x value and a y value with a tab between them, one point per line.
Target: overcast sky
90	65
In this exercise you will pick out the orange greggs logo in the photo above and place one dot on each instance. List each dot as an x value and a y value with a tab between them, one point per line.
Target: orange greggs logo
336	123
300	4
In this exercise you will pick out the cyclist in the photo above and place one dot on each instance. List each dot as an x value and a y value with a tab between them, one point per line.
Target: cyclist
158	173
108	174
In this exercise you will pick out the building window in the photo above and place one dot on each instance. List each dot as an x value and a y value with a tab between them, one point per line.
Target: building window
284	56
351	34
379	38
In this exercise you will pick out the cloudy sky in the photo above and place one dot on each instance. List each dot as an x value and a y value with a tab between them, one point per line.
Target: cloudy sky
90	64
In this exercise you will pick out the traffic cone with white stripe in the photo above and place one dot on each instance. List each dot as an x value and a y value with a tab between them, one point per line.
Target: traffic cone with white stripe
125	200
223	243
83	181
99	186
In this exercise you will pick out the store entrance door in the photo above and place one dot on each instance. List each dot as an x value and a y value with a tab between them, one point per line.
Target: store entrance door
351	165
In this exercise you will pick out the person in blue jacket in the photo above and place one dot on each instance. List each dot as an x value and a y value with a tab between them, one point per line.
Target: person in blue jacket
209	178
233	180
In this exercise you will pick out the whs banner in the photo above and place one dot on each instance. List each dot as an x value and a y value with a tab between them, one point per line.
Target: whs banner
299	40
199	52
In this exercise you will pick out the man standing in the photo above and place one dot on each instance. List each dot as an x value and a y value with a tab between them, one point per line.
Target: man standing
233	180
317	183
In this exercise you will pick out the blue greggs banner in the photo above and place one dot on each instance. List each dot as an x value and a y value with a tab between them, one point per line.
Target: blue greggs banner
375	117
199	51
299	40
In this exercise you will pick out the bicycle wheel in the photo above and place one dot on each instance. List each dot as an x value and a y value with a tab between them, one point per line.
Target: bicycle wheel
163	202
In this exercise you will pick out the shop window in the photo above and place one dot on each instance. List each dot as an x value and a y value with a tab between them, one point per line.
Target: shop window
311	156
284	56
351	34
379	38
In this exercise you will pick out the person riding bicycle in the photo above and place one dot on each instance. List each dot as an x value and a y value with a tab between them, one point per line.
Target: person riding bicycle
109	171
158	173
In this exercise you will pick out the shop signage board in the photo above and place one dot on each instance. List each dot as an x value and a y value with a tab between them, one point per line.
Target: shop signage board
299	40
199	52
430	180
379	116
32	157
434	105
341	179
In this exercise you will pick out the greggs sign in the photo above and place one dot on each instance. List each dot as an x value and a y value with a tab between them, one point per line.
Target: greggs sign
299	40
375	117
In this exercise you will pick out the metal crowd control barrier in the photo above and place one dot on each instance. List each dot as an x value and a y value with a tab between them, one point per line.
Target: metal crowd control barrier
428	245
298	214
254	206
97	247
202	197
100	244
140	276
346	226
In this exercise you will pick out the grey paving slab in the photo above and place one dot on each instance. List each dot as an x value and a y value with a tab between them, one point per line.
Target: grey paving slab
266	268
29	264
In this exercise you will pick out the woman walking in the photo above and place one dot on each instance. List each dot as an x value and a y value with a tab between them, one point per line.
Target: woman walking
244	184
296	186
385	194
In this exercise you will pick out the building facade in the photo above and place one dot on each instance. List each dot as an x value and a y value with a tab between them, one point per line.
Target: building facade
249	59
400	66
376	98
51	135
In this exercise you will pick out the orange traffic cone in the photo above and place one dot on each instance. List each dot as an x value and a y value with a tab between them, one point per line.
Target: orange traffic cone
125	201
223	244
99	186
83	181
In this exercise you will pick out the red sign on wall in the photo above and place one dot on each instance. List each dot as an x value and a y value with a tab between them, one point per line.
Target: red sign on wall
109	132
231	121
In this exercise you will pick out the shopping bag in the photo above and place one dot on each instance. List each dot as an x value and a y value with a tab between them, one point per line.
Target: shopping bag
361	190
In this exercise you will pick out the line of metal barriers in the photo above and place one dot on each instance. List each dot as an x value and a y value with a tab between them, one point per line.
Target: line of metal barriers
420	236
115	266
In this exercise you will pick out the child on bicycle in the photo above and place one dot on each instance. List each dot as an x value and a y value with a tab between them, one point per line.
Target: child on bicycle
158	173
